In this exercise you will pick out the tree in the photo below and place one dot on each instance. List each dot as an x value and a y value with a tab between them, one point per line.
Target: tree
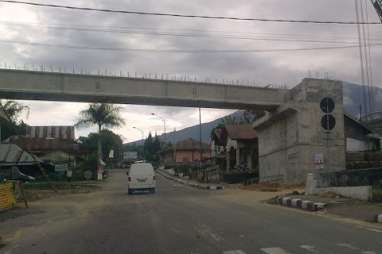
101	115
13	110
10	123
156	148
148	148
109	140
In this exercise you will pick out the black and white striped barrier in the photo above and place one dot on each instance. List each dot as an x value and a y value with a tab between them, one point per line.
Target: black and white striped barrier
302	204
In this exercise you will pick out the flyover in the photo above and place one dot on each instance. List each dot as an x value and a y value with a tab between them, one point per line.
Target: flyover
290	135
55	86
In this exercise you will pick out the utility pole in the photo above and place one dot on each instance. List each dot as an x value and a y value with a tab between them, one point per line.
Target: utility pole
200	140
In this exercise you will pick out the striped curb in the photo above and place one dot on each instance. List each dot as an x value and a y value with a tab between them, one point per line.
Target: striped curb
296	202
192	184
303	204
379	218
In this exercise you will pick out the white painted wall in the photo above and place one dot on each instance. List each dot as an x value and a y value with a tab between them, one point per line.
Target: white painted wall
355	145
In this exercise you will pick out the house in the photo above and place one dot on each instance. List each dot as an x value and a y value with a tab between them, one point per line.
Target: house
50	143
12	156
235	148
188	150
360	138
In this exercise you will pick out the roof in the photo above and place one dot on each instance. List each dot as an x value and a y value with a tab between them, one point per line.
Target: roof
13	154
360	124
241	131
191	144
42	144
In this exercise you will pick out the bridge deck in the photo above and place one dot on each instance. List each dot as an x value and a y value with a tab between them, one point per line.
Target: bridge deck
53	86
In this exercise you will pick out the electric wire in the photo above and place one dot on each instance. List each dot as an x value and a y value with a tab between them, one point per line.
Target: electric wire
177	15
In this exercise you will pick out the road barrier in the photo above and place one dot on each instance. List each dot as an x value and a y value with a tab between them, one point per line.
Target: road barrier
7	196
302	204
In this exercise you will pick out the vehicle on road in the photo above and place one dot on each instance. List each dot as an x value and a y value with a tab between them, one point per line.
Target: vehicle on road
141	176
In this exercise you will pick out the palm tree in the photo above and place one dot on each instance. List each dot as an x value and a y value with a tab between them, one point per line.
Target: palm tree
102	115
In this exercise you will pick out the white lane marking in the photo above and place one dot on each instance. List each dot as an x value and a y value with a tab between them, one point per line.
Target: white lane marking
369	252
234	252
274	251
309	248
347	245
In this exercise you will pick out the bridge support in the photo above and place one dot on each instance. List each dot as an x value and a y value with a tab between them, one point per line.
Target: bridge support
292	142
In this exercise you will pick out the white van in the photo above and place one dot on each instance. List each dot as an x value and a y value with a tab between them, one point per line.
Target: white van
141	176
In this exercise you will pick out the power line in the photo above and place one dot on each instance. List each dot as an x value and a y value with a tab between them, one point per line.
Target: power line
186	51
188	31
185	35
177	15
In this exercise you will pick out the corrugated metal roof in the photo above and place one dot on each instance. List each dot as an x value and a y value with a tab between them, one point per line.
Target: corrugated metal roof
13	154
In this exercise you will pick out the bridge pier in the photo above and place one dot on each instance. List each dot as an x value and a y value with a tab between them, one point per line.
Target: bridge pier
292	142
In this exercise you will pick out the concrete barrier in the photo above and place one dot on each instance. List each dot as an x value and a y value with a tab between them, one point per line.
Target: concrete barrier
299	203
307	205
319	206
296	202
286	201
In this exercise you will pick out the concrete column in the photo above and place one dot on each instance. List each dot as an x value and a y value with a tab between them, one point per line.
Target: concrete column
292	136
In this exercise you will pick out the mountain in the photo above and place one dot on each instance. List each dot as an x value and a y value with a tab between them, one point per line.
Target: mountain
353	98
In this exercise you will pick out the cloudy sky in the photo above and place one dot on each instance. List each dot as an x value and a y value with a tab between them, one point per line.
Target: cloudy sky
26	24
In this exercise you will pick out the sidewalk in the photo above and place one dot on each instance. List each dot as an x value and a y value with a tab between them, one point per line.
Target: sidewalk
344	207
195	184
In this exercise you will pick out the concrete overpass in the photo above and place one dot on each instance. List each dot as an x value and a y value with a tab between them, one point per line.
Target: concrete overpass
290	136
53	86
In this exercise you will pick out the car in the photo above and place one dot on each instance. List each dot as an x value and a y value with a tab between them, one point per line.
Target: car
141	176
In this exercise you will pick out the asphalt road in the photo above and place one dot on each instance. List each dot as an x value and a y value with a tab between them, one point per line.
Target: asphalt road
179	219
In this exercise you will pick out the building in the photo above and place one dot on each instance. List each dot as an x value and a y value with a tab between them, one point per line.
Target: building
12	156
359	137
49	132
235	148
188	150
50	143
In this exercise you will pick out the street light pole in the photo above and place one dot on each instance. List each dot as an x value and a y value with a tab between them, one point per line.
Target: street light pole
164	125
141	131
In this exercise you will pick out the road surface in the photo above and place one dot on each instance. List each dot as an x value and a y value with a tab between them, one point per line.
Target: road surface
179	219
